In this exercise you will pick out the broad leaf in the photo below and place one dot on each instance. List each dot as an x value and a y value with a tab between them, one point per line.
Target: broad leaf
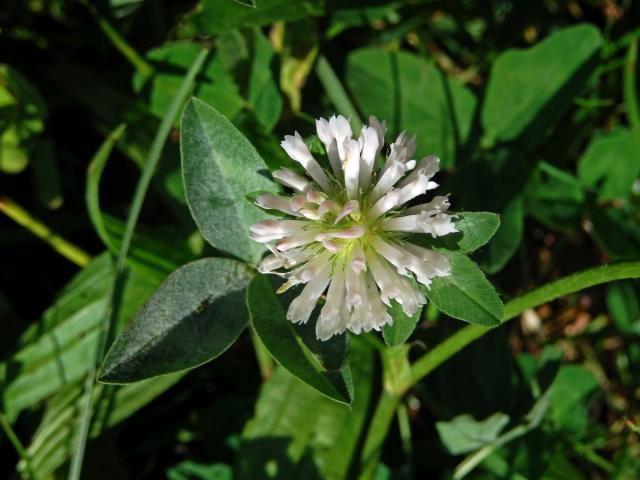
611	164
530	89
412	94
466	294
495	255
328	375
474	230
214	85
220	167
194	316
554	197
623	303
293	423
402	327
464	434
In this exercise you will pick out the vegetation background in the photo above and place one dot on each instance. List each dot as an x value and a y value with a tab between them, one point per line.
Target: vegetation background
533	108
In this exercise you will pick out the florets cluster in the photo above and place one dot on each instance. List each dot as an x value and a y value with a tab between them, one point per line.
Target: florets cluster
347	227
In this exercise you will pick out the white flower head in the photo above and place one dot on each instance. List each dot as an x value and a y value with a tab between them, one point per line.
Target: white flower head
348	221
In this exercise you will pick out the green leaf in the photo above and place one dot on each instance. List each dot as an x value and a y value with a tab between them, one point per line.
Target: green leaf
554	197
624	306
495	255
220	167
263	93
475	229
412	95
219	16
303	433
466	294
327	375
571	392
529	90
464	434
194	316
402	327
57	350
215	85
610	164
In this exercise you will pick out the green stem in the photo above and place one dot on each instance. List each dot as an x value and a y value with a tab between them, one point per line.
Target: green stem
139	63
336	92
40	230
546	293
17	444
405	433
630	86
383	415
134	213
378	428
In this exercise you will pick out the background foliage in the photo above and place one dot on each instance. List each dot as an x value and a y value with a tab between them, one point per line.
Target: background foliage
533	108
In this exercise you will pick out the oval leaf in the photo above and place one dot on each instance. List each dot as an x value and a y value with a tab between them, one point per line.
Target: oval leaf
194	316
327	372
466	294
219	168
530	89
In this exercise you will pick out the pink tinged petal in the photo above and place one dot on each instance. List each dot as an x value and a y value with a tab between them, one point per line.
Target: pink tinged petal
289	178
330	145
438	261
378	315
298	151
355	286
387	284
311	213
351	167
298	202
265	238
331	245
391	253
297	240
435	224
278	227
358	260
313	267
355	231
352	206
438	204
302	306
329	206
398	197
316	197
270	201
270	263
369	143
427	167
330	320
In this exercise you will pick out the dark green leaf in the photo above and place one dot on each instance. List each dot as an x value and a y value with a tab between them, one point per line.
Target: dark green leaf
464	434
611	164
195	315
327	372
624	306
220	167
495	255
554	197
466	294
412	95
530	89
402	327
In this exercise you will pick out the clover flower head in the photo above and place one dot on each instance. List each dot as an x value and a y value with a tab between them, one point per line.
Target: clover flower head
346	227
